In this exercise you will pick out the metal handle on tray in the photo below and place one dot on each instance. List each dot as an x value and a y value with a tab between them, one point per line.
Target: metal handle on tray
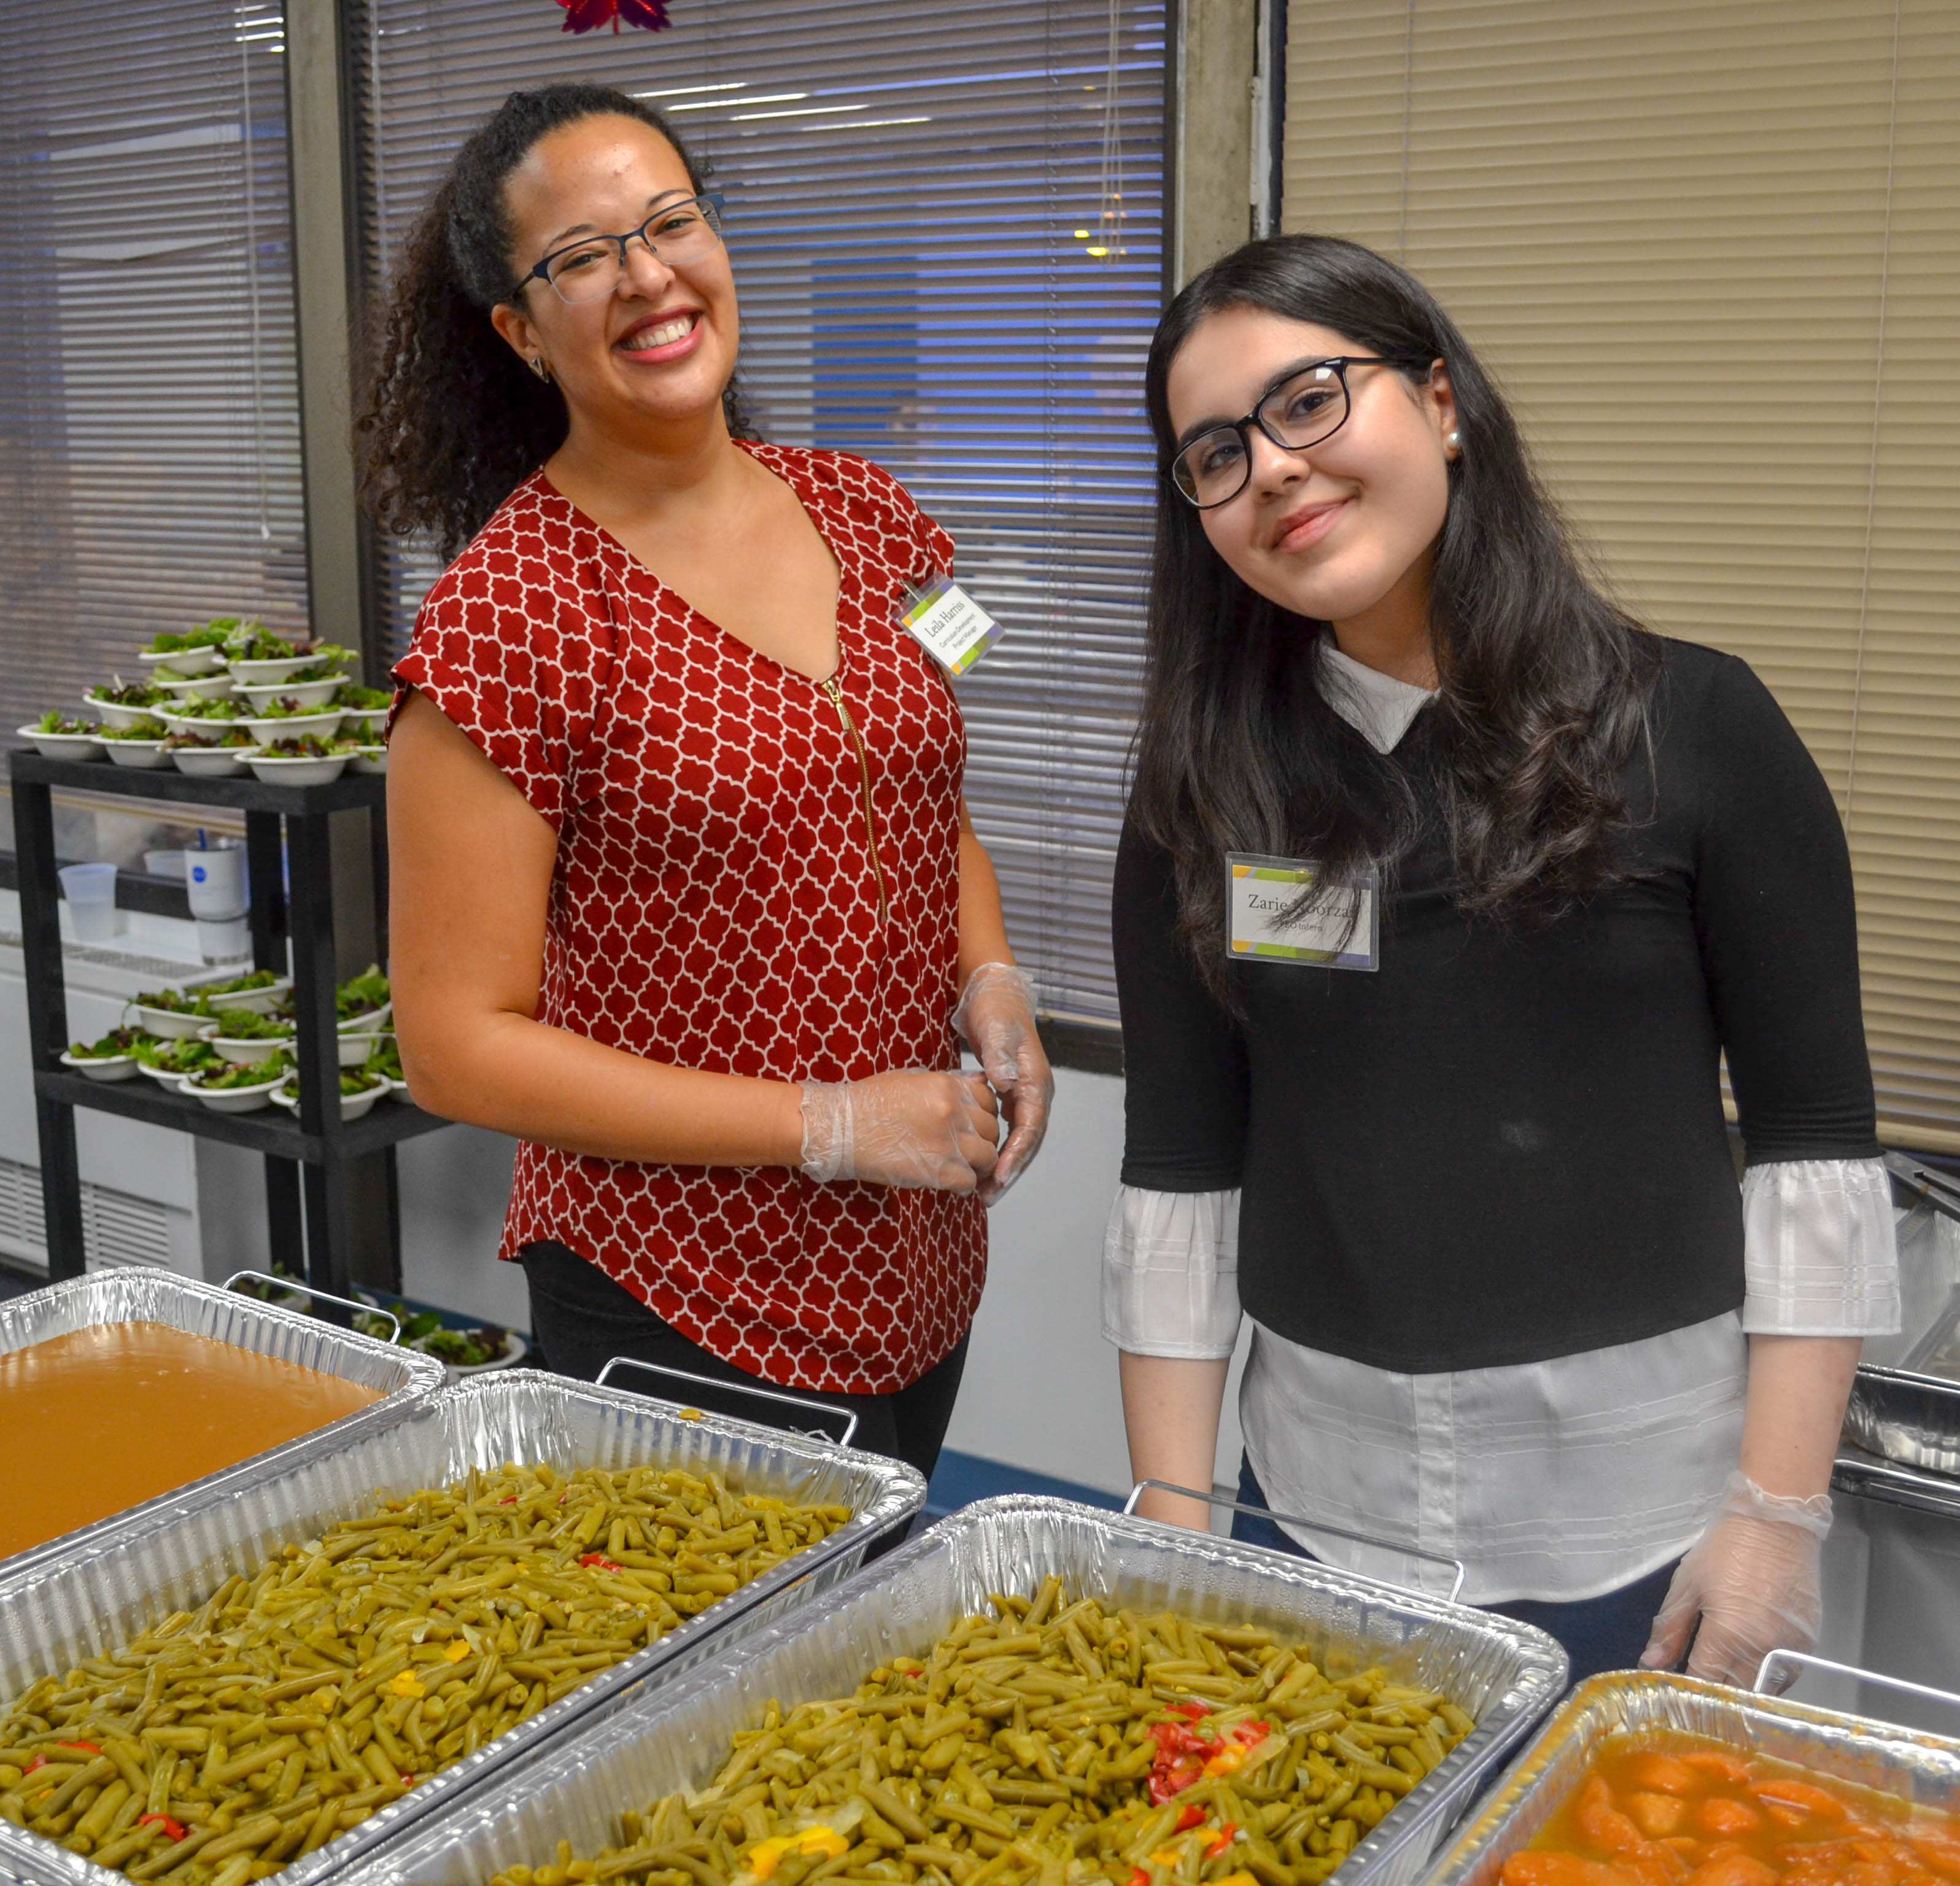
293	1287
1312	1525
1940	1190
1788	1665
816	1408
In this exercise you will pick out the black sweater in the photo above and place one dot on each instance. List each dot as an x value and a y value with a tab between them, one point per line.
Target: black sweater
1508	1143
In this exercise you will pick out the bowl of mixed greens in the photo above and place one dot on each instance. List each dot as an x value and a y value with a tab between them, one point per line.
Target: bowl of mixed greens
141	744
113	1058
463	1352
365	709
210	687
55	737
260	991
358	1093
247	1040
265	658
196	715
241	1088
313	686
294	750
363	1003
198	651
121	703
173	1014
210	756
170	1063
384	1059
280	1286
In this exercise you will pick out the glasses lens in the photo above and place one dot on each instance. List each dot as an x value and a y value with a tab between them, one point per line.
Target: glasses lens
682	229
585	273
1212	467
1307	407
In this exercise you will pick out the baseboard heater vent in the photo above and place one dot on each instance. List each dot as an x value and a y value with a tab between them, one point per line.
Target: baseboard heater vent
118	1230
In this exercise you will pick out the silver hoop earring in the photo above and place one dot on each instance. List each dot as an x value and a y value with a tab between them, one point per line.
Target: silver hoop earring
538	367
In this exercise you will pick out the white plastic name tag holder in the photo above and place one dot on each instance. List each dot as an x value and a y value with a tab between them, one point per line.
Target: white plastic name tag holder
1339	931
956	630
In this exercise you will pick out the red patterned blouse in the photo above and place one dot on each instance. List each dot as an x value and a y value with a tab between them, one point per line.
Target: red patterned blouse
726	897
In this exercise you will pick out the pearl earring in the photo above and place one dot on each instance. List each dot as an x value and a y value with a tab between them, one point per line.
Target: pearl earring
1449	439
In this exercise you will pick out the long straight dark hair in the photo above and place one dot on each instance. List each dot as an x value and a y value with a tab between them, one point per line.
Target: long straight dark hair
1545	682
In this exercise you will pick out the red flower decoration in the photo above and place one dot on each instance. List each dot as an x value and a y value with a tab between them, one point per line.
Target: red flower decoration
588	16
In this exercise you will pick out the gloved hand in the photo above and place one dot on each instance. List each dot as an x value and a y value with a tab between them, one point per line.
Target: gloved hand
996	1019
1750	1585
910	1127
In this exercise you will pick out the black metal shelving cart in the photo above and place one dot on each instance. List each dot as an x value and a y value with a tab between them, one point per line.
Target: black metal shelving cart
307	1157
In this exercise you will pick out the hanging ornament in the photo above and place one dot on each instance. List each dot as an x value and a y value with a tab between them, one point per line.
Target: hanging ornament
588	16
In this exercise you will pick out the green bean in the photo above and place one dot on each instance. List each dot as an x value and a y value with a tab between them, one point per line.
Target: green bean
1053	1744
302	1696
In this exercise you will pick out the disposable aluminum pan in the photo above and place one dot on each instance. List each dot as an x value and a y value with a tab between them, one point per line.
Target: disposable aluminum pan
1507	1674
1906	1416
398	1375
112	1587
1921	1768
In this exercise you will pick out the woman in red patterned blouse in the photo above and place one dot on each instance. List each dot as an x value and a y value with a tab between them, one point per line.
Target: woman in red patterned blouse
684	894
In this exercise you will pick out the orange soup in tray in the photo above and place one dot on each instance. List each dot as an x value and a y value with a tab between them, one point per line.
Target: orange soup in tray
1677	1810
108	1417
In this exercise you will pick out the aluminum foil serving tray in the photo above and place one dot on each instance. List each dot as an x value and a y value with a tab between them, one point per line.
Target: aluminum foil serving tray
647	1745
402	1376
1906	1416
110	1587
1921	1768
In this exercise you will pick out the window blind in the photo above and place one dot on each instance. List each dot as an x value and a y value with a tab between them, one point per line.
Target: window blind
150	475
946	220
1708	247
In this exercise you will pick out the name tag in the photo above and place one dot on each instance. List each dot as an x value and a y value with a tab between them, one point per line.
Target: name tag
956	630
1341	931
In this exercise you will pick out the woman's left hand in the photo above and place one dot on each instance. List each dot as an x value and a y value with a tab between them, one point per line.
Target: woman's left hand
1750	1585
996	1019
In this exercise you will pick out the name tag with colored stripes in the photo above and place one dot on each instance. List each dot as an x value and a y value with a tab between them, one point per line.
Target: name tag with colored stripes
1266	920
955	630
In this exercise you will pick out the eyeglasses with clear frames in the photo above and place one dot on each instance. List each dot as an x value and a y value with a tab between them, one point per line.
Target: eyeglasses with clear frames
1307	406
592	268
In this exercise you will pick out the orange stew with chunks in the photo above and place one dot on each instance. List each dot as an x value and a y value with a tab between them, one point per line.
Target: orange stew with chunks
1684	1811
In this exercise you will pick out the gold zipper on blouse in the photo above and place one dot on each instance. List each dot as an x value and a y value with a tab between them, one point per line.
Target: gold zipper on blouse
836	694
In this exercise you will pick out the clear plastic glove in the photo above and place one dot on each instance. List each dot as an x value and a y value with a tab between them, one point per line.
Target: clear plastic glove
1750	1585
996	1019
912	1127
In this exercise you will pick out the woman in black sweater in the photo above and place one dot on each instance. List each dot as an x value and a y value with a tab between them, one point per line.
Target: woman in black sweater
1446	888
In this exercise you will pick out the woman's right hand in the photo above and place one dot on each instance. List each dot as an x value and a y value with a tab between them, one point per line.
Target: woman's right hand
910	1127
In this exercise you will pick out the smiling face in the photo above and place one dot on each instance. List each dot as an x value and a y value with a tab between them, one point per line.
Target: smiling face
662	347
1345	529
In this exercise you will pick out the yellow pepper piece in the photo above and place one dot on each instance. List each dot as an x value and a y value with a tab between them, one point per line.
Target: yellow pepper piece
404	1684
766	1856
456	1651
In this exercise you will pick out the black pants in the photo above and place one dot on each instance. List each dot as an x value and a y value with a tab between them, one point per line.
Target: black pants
583	1319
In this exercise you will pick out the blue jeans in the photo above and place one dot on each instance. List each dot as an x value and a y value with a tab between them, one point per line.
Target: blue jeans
1607	1633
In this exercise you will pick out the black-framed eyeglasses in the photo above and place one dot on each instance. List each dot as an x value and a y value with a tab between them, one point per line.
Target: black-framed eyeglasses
1306	406
592	268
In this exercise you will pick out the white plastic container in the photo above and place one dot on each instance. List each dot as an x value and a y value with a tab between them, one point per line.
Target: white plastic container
62	746
90	892
215	879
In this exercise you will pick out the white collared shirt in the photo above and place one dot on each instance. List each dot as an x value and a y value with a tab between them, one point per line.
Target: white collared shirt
1559	1480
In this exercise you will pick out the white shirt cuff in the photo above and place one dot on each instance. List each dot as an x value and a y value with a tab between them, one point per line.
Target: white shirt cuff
1820	1249
1170	1273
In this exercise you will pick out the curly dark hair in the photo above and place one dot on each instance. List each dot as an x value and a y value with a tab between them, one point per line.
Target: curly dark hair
1546	681
449	421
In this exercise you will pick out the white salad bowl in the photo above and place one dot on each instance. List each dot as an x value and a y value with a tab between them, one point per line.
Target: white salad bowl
63	746
211	763
114	714
263	673
243	1053
275	769
116	1067
147	754
233	1100
307	693
205	660
266	729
